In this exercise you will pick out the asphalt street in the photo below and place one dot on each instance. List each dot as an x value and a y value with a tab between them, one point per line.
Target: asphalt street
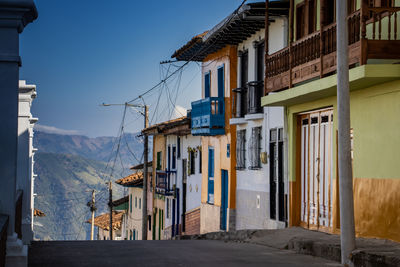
204	253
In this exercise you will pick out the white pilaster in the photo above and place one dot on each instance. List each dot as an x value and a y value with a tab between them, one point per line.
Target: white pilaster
14	16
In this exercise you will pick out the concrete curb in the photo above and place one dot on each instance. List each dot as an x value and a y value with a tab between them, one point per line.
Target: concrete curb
371	252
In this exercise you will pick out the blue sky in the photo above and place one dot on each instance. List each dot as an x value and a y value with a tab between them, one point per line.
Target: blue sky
81	53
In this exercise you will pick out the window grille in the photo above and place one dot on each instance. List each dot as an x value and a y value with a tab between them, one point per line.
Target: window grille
255	148
241	150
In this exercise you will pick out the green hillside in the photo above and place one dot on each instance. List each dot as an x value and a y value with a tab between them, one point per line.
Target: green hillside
63	188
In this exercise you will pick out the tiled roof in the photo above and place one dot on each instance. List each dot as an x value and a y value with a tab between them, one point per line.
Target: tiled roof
197	40
140	166
103	220
166	125
38	213
232	30
135	179
120	201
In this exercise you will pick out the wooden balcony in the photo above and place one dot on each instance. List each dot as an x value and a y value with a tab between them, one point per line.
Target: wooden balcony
372	33
208	116
164	184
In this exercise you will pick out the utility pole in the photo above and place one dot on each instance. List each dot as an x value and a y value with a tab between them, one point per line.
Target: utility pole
145	174
92	209
110	204
347	230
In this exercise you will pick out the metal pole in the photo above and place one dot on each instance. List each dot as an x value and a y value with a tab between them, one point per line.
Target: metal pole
145	174
92	209
347	231
111	209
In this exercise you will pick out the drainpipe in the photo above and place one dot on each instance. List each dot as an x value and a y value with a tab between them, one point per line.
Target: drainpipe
347	230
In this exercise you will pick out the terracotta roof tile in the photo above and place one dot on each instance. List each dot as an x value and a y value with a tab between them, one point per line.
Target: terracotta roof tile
131	180
38	213
159	127
103	220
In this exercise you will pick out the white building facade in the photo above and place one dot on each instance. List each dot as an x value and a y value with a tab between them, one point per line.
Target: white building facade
182	206
25	161
262	188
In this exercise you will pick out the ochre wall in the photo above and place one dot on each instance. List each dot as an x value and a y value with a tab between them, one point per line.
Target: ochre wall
376	128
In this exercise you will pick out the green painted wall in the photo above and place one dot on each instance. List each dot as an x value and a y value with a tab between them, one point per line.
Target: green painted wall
375	119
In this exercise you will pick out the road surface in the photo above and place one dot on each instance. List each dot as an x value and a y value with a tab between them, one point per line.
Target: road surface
204	253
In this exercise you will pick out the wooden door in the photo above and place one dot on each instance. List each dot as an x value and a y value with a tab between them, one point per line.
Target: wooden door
224	199
316	169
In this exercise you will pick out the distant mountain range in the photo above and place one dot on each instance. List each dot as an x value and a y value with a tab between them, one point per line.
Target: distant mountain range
98	148
68	168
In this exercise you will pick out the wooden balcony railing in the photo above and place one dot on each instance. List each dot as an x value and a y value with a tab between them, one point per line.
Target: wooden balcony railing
372	33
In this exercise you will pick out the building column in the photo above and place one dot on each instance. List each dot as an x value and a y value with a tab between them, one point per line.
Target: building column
14	16
24	162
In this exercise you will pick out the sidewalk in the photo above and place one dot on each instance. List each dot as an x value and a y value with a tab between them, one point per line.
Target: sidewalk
369	252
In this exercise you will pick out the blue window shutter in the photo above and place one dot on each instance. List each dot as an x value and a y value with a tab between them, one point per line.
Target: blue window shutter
210	174
207	85
221	81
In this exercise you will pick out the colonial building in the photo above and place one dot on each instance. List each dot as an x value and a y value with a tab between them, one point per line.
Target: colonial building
301	77
178	182
262	188
103	225
14	17
134	217
25	163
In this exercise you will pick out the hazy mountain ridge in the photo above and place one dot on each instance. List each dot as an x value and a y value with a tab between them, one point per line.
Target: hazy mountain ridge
98	148
68	167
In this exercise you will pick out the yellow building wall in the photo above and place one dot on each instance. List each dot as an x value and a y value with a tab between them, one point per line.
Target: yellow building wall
376	129
159	144
228	57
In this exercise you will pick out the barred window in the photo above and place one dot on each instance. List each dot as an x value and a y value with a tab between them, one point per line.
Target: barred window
241	150
255	148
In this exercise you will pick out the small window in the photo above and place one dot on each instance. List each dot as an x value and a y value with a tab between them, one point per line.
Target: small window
207	84
192	162
255	148
174	157
149	222
135	202
159	157
130	203
178	142
260	60
167	208
140	203
200	160
241	149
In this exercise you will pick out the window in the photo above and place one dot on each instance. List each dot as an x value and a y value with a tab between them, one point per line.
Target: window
330	8
221	81
149	222
130	203
244	78
211	175
300	21
241	150
260	61
135	202
192	162
169	157
351	6
140	203
167	208
255	148
178	141
174	157
312	16
200	160
207	84
159	157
